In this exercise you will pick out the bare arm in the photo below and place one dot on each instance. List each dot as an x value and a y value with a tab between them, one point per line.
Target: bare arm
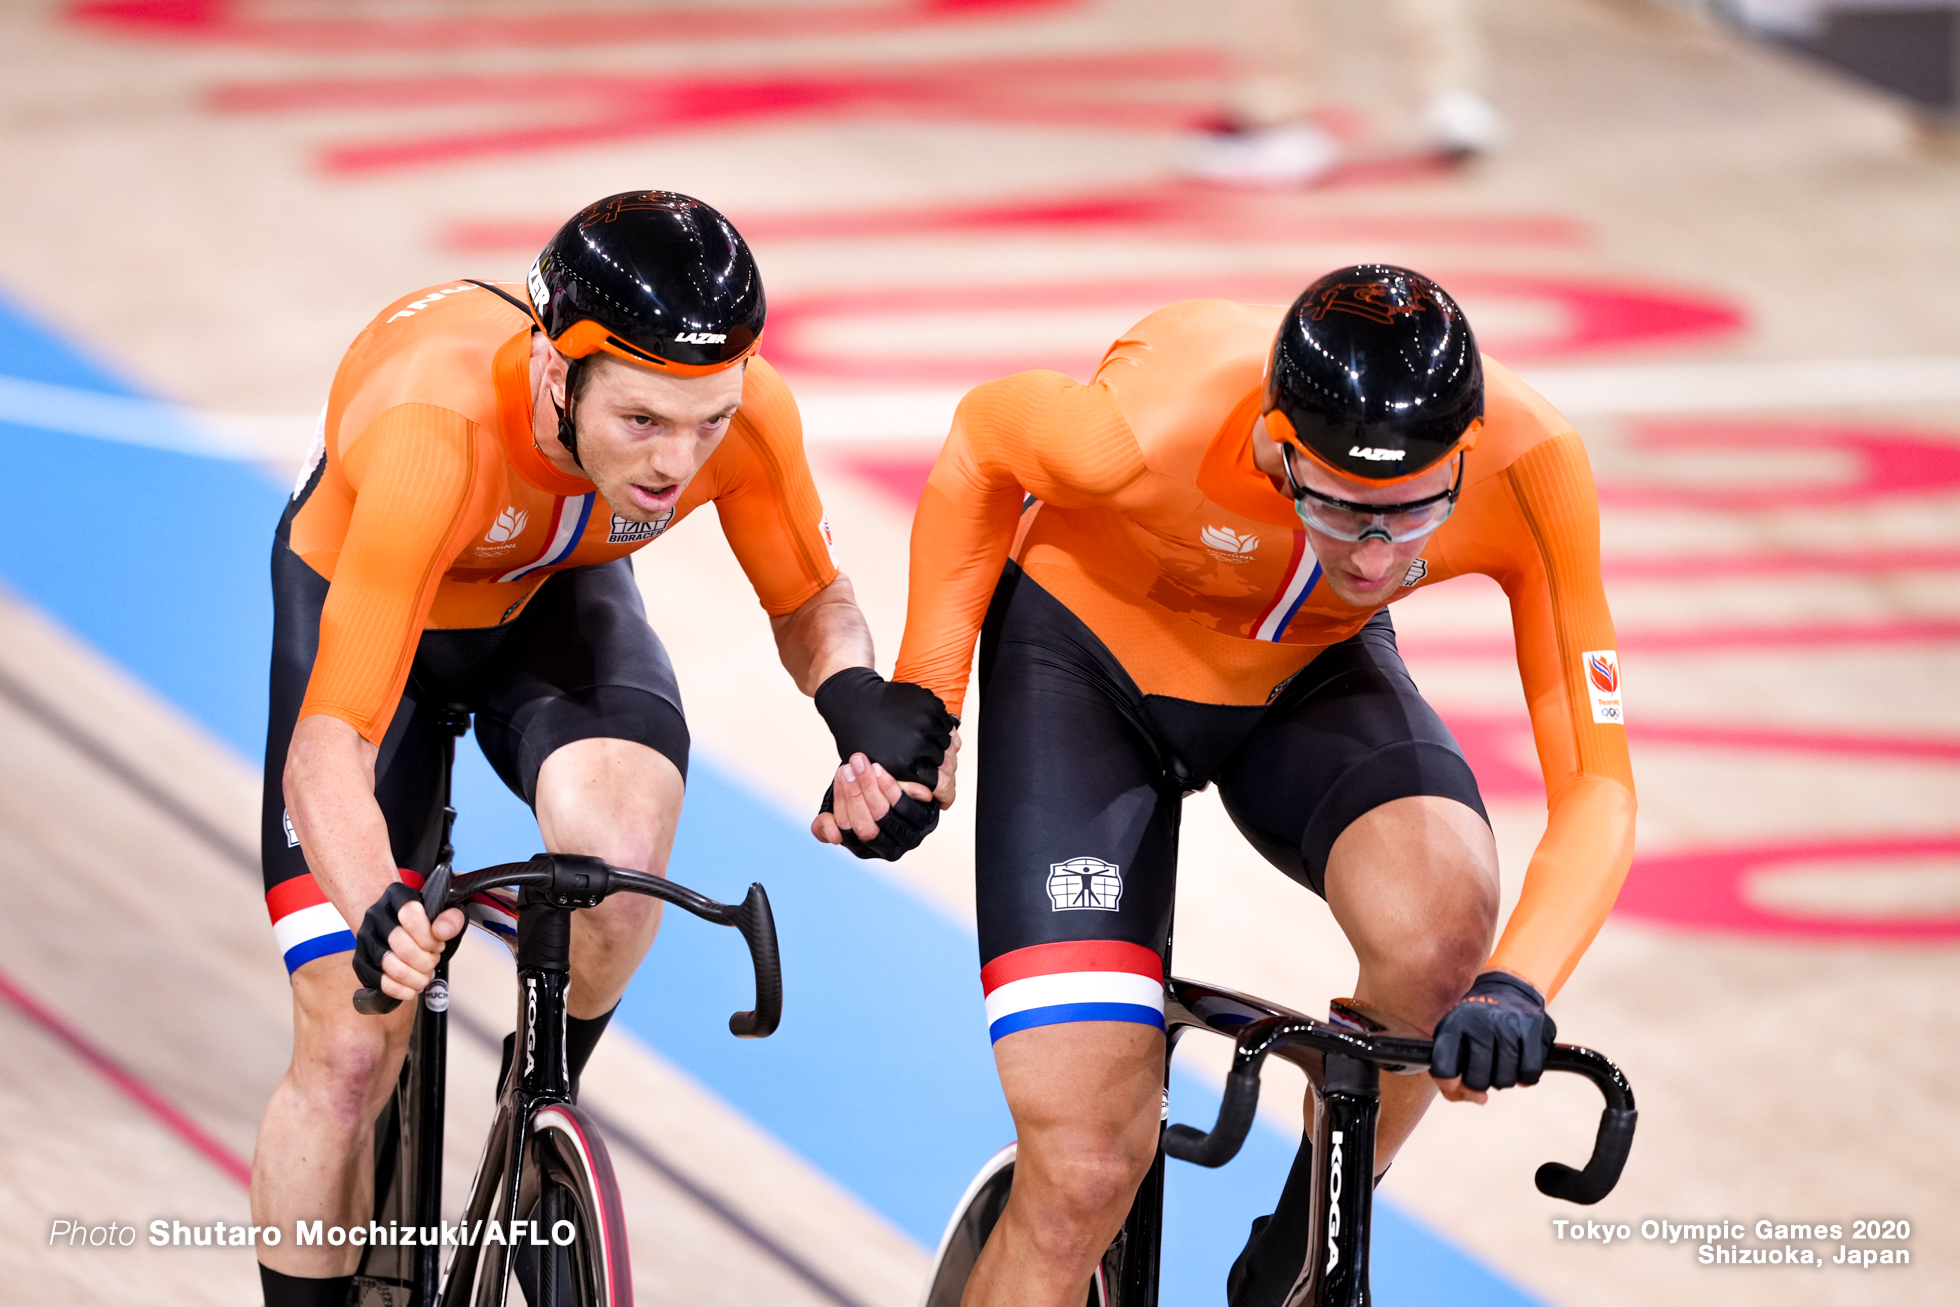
329	787
823	637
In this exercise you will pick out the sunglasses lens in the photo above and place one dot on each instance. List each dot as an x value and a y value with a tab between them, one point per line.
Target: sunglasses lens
1346	524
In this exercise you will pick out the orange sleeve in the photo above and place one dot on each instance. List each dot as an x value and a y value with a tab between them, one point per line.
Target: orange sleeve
767	500
1037	433
416	491
1559	613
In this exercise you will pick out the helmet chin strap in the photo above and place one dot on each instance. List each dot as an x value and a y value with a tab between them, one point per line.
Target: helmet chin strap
567	424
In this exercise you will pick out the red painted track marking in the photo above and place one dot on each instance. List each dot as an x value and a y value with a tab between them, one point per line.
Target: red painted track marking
241	22
151	1101
1169	210
1890	461
1703	889
1597	315
1501	749
1800	635
1118	90
1858	562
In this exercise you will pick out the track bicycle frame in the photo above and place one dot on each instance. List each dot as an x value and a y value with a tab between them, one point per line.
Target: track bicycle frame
409	1137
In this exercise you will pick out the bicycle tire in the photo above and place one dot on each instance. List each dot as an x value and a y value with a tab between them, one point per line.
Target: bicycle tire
973	1221
568	1177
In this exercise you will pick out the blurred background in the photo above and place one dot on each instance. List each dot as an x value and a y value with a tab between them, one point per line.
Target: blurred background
1720	236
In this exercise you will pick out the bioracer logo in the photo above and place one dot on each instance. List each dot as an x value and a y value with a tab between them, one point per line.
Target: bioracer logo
701	337
1334	1203
1374	455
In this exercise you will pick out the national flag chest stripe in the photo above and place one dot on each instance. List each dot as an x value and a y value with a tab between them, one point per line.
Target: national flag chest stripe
1293	590
568	519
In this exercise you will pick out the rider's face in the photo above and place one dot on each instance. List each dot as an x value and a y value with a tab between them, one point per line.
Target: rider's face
642	435
1366	572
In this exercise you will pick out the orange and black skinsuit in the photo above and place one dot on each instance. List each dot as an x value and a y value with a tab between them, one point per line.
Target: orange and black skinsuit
431	555
1154	620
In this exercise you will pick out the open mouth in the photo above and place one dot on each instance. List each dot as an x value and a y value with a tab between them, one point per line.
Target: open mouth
657	501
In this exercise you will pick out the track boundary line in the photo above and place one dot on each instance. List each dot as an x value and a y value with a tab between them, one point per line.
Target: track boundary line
139	1091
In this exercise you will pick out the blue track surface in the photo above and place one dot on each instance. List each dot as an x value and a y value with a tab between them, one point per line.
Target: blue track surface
881	1075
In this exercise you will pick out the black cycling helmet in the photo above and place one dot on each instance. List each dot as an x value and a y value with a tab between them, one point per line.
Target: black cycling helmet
652	277
1375	375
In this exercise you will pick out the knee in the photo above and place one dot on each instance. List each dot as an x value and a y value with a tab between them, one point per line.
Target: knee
624	918
343	1076
1433	970
1083	1189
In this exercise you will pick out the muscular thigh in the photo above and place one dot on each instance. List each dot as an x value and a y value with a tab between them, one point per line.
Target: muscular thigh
1347	735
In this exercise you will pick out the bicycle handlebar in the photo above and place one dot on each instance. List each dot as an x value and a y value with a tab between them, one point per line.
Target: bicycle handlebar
1222	1142
571	881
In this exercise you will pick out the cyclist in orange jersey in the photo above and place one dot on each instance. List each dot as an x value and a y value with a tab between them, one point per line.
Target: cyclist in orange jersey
460	539
1178	574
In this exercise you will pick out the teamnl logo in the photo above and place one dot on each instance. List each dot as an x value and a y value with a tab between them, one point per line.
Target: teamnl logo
1227	545
1601	668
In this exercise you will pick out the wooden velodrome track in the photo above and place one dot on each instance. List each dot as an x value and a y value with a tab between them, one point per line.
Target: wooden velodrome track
1734	271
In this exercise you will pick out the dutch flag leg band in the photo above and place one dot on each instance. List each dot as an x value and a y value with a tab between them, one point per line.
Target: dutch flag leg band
1096	980
304	923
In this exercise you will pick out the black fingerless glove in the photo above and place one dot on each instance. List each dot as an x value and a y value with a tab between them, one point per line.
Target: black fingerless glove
1496	1037
900	830
902	727
371	941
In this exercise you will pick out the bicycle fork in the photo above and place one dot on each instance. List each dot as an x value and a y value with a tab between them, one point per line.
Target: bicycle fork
1347	1104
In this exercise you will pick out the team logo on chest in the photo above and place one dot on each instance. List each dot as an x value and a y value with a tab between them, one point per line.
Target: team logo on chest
1222	542
625	531
501	538
1085	883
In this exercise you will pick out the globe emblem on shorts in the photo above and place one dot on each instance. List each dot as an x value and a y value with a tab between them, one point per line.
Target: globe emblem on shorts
1085	883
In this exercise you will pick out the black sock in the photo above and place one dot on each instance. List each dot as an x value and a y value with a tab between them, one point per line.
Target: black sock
1277	1247
581	1037
297	1291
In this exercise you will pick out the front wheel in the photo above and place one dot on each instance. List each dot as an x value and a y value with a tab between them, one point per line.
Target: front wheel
571	1199
974	1218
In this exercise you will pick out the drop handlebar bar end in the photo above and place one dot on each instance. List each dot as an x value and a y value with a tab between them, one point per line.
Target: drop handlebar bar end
758	927
1222	1142
1584	1185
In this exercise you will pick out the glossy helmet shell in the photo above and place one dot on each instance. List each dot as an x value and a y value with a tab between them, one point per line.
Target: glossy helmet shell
1375	374
656	278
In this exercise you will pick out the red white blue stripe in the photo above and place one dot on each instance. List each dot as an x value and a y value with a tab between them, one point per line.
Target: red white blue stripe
568	519
494	910
1293	591
1090	980
304	923
307	926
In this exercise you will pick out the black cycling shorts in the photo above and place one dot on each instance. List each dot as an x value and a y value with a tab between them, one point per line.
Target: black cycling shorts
1082	777
580	662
